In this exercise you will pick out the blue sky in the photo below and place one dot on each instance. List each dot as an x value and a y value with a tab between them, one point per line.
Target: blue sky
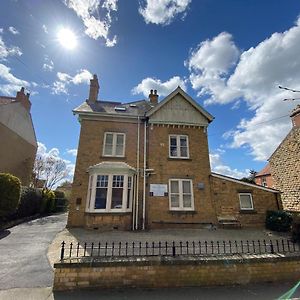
230	56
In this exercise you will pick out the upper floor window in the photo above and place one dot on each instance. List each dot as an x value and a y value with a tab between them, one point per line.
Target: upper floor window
181	194
114	144
264	181
246	202
178	146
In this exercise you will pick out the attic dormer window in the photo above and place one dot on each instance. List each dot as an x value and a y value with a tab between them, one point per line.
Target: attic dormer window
114	144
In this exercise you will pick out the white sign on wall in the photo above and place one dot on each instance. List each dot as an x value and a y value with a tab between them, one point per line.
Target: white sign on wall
158	190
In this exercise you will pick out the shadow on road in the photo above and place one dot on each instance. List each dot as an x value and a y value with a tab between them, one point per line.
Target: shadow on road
4	233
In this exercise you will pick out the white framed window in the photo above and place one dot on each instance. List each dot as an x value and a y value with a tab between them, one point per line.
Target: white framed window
114	144
264	181
178	146
110	193
181	194
246	202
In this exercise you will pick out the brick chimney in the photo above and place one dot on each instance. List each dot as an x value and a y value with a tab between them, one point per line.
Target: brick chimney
153	97
295	116
23	99
94	89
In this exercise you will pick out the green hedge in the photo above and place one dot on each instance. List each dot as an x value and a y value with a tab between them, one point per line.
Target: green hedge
278	220
31	202
61	202
10	188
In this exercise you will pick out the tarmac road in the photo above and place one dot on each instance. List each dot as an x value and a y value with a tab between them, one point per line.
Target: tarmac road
23	253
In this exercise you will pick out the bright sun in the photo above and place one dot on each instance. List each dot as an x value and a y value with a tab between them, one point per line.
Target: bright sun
67	38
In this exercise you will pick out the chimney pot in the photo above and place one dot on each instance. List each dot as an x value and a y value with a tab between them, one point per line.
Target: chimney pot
153	98
23	99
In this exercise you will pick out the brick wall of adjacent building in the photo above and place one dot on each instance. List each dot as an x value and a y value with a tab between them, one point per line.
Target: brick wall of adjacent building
226	200
196	168
16	155
285	169
176	272
265	179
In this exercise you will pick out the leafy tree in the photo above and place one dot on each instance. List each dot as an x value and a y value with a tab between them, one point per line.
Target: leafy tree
250	178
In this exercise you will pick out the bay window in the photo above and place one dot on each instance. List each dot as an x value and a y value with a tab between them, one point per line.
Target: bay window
110	188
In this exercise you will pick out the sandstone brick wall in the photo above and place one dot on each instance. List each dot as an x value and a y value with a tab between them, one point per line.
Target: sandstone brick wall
226	200
285	169
176	272
196	168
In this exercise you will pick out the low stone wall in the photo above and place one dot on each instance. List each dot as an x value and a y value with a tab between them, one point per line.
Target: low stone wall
176	271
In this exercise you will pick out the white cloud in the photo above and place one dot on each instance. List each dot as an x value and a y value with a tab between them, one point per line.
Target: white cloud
163	88
218	166
1	30
162	11
88	11
64	76
72	152
6	51
210	64
45	28
60	86
13	30
48	64
83	77
255	79
11	83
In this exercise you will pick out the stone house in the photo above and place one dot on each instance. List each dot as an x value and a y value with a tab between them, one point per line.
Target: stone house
264	177
145	164
285	165
18	141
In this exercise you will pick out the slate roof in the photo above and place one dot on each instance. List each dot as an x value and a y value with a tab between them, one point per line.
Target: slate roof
136	108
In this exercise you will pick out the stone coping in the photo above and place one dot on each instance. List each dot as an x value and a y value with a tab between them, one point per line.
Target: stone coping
91	262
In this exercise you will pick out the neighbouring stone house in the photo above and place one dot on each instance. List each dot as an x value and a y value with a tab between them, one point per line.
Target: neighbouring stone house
285	165
264	177
145	165
18	141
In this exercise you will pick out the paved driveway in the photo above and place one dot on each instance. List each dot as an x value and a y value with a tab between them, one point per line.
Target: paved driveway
23	253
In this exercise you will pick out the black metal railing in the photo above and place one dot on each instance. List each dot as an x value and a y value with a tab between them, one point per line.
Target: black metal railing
202	248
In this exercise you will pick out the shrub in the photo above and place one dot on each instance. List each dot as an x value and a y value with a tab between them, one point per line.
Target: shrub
31	202
10	187
296	228
49	200
61	202
278	220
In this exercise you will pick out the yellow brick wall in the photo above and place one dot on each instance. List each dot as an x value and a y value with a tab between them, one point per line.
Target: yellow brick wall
177	273
197	168
218	197
226	199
